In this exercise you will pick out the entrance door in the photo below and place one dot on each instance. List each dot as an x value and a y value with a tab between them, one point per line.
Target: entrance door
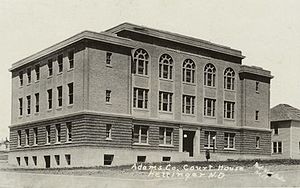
47	161
188	142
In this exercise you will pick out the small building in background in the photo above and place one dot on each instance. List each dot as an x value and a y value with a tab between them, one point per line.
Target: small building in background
285	125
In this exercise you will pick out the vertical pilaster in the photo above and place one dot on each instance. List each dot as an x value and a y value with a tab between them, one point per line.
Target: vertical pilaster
180	138
197	142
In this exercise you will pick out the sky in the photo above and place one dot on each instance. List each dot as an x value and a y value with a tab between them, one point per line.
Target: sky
266	31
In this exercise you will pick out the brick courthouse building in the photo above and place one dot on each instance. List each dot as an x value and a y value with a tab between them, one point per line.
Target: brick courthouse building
136	94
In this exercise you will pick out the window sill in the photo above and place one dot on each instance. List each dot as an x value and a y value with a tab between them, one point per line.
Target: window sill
230	90
210	117
257	121
34	145
141	75
258	148
37	81
47	144
165	112
276	153
230	149
19	146
20	117
28	115
49	77
68	142
21	86
59	108
167	80
140	144
109	139
141	109
210	87
228	119
257	92
191	115
26	146
70	105
108	103
28	84
210	148
70	70
166	145
49	110
109	65
57	143
36	113
60	73
189	83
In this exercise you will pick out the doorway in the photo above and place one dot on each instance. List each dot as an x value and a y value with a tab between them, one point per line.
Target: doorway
47	161
188	142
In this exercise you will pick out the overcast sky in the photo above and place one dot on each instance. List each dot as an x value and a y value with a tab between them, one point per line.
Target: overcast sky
267	32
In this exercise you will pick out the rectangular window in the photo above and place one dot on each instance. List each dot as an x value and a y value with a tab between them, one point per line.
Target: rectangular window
57	159
68	159
166	158
229	110
21	80
34	159
71	95
19	139
107	95
59	96
141	159
50	67
37	102
58	133
37	72
60	63
26	137
210	139
257	87
165	101
188	104
69	131
71	59
26	160
28	75
108	159
276	130
35	136
18	160
20	106
49	91
277	147
140	134
229	140
108	58
108	131
257	142
28	104
140	98
256	115
48	135
209	107
165	136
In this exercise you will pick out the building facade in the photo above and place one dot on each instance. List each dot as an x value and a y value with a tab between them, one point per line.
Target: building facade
285	126
136	94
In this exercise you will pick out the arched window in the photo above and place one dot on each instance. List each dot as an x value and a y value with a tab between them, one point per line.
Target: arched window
140	62
165	66
229	77
210	75
188	71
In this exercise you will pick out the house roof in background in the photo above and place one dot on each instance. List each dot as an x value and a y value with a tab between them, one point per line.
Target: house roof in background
283	112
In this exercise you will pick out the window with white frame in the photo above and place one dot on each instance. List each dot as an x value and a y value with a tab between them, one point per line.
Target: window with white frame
257	142
71	59
210	139
28	104
59	96
229	110
165	101
19	138
165	136
188	104
60	63
188	71
26	137
20	106
108	58
35	136
108	131
229	140
50	67
71	93
49	92
140	98
58	133
37	72
37	102
209	107
69	131
140	134
229	77
165	67
29	75
108	96
48	135
277	147
210	75
140	62
21	80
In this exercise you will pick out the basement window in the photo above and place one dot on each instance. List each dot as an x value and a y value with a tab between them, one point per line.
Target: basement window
166	158
26	160
18	160
108	159
34	159
141	159
57	160
68	159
